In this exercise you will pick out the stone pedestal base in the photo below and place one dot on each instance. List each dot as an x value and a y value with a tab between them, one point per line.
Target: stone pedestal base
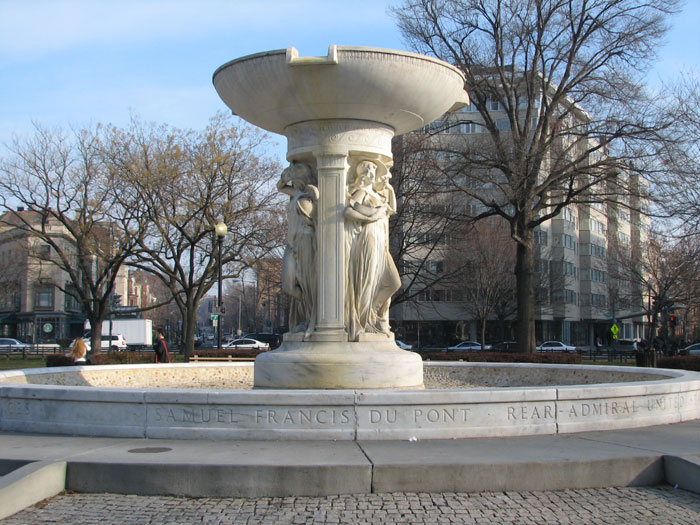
339	365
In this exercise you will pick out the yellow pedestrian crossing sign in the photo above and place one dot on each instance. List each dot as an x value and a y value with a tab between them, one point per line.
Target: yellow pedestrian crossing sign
615	330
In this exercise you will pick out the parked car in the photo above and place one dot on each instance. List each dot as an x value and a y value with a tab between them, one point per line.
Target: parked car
505	346
467	346
247	344
116	342
691	350
13	345
626	344
274	340
403	346
556	346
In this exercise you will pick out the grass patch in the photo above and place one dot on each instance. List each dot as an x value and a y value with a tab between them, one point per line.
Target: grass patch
15	362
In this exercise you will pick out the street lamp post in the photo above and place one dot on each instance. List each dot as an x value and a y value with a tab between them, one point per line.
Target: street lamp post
238	332
220	234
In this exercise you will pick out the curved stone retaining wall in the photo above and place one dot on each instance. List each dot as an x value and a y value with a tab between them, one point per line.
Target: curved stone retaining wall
163	401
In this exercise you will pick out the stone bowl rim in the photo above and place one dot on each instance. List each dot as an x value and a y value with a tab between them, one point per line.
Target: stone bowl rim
366	49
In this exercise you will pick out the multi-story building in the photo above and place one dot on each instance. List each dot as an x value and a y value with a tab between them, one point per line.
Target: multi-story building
579	287
34	305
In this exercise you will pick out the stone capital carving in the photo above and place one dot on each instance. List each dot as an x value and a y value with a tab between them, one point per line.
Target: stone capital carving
323	137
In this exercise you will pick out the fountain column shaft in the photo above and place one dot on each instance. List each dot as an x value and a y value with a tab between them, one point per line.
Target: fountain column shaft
330	249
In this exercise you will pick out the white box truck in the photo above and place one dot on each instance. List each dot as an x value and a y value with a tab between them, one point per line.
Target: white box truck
136	332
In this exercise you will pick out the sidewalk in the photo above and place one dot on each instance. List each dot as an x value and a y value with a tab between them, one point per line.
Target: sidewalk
191	468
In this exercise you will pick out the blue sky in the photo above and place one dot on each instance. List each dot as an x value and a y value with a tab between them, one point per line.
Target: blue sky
80	62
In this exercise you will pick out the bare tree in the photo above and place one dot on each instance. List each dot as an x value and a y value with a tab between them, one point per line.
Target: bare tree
188	182
667	275
71	204
428	220
680	156
532	68
487	253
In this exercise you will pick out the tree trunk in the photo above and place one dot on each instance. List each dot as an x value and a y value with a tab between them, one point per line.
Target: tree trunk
483	333
188	311
95	336
189	325
524	276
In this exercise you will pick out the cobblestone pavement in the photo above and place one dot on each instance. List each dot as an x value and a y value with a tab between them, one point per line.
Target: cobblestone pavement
590	506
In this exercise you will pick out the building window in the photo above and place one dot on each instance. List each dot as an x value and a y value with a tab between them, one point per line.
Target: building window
503	124
568	241
494	105
71	304
436	267
541	266
540	237
568	215
565	296
595	250
563	268
431	295
43	299
468	128
591	274
598	300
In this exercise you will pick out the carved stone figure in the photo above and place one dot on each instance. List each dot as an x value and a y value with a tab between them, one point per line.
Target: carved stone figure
299	262
372	277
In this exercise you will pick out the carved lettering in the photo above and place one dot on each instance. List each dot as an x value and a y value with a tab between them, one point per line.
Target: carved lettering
604	408
302	416
524	412
441	415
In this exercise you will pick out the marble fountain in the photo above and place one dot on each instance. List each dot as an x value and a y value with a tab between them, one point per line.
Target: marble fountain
339	375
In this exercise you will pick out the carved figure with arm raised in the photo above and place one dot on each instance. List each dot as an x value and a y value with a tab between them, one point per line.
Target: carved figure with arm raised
299	261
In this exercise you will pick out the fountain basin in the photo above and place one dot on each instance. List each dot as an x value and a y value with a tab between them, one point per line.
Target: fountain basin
153	401
278	88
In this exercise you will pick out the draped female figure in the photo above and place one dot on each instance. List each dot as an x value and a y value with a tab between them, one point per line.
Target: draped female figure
299	260
372	277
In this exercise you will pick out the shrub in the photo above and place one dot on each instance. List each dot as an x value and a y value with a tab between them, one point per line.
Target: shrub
233	352
121	358
502	357
59	360
684	362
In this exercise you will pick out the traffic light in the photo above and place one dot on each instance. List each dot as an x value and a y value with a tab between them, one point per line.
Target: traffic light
673	320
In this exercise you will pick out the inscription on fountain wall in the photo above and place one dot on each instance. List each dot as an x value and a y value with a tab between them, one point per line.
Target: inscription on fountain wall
530	412
415	416
459	415
419	415
628	407
258	417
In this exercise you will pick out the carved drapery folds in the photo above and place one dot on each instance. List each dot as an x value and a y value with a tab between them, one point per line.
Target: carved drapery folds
299	278
371	275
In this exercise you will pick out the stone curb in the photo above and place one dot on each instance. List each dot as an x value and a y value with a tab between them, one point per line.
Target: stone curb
683	472
30	484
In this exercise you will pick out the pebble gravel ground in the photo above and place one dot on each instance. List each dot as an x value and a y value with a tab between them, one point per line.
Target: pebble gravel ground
637	505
